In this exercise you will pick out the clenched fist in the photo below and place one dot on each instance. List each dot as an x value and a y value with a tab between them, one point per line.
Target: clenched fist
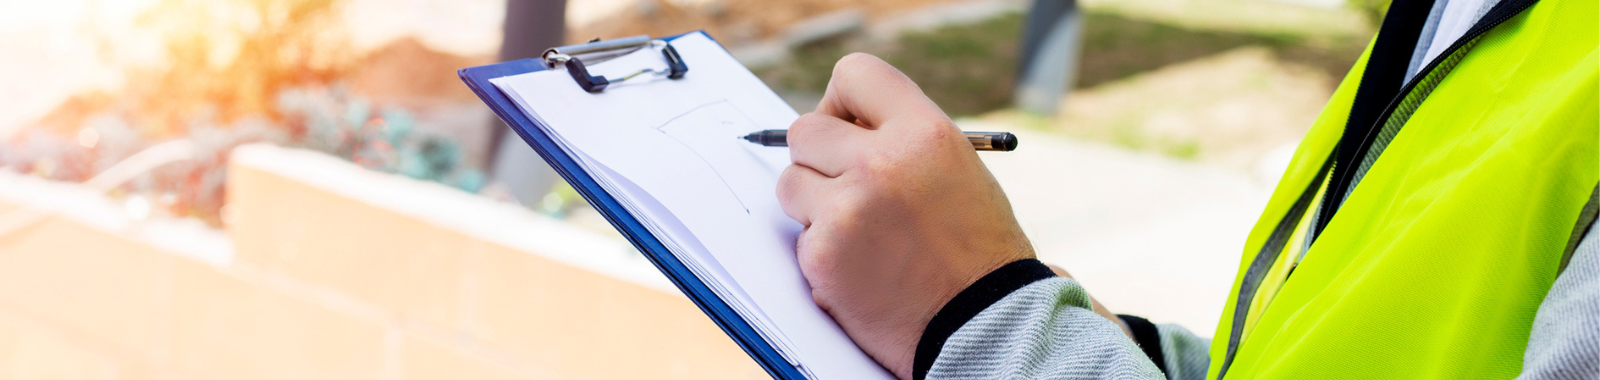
899	213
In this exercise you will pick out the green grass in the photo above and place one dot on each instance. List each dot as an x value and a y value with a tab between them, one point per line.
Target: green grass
966	69
969	69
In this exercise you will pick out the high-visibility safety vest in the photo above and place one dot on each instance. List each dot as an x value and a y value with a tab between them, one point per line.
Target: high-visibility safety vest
1468	184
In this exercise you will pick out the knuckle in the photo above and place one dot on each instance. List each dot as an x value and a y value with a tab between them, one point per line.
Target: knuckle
894	174
788	184
815	258
936	133
850	211
823	300
818	263
802	128
881	166
806	121
855	63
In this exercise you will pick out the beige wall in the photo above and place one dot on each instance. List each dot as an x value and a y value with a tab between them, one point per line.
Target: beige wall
326	271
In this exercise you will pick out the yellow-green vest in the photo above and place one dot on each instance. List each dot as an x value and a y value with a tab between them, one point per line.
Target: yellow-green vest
1435	263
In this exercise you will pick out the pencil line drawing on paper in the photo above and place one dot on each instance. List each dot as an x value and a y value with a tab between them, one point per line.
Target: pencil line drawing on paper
713	130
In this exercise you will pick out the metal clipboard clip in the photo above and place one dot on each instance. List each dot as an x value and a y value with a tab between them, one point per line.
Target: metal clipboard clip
596	51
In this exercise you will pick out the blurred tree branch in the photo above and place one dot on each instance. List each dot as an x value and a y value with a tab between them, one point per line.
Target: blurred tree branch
228	59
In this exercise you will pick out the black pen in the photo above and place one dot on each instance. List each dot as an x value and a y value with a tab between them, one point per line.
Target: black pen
992	141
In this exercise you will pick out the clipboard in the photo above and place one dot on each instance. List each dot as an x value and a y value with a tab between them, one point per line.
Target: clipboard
477	78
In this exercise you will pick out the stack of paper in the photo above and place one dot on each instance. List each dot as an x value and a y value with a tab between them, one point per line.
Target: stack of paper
670	152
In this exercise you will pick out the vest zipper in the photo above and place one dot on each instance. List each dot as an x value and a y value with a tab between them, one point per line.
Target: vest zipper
1339	189
1343	184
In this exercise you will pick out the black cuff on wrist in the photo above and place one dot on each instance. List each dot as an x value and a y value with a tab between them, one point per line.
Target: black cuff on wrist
966	305
1148	338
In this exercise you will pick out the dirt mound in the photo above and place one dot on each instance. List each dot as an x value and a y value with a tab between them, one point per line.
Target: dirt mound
732	22
407	72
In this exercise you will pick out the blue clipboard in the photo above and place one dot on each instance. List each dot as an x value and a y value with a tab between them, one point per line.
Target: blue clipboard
477	78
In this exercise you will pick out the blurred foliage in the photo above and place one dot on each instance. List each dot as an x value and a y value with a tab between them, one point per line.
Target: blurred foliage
966	69
561	201
223	64
234	72
1117	47
1372	9
969	69
385	139
228	59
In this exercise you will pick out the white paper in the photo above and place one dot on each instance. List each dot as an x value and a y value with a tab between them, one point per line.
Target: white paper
670	151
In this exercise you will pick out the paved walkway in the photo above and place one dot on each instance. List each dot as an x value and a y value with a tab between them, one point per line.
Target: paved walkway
1147	235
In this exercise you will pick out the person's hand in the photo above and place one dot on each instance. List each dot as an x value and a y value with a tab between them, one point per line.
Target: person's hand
899	213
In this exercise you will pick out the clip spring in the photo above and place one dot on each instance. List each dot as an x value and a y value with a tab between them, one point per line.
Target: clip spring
600	51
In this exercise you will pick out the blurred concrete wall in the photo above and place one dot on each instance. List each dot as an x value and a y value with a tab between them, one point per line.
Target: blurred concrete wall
328	271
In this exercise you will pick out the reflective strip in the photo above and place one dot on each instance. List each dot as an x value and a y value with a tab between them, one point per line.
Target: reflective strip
1264	260
1585	219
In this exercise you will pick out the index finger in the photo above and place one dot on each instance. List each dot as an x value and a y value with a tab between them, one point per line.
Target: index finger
867	89
825	143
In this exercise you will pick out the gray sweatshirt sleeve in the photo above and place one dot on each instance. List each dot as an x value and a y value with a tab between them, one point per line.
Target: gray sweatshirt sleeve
1187	356
1565	341
1047	330
1043	330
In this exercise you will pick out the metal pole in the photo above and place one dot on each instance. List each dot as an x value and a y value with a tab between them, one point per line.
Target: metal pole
530	27
1049	63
